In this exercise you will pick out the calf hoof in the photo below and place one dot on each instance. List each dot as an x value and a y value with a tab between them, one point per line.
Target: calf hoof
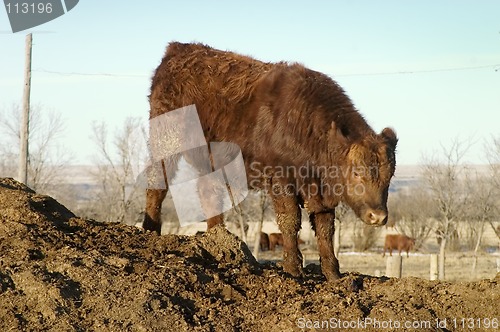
152	229
294	271
292	264
331	274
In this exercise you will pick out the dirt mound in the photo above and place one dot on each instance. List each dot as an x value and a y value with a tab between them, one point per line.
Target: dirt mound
62	273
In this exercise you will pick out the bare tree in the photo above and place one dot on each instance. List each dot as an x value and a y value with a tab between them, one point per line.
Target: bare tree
47	157
117	197
254	209
341	211
493	155
363	236
414	213
264	205
8	161
447	185
481	210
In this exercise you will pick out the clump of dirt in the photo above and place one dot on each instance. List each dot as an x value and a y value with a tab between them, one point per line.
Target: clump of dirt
62	273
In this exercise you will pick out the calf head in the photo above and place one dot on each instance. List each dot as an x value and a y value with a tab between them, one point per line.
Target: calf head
369	165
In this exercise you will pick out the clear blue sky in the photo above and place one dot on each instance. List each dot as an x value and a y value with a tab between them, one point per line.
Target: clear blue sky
392	58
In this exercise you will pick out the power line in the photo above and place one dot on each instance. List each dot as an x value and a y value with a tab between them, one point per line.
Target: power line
61	73
403	72
423	71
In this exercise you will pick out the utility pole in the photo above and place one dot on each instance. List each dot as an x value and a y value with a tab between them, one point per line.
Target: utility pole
24	152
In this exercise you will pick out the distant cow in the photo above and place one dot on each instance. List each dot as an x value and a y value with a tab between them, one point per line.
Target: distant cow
264	241
398	242
276	239
301	138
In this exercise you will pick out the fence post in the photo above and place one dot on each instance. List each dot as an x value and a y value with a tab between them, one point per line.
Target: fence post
393	266
434	267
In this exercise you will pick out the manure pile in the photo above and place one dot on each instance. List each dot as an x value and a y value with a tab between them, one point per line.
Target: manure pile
62	273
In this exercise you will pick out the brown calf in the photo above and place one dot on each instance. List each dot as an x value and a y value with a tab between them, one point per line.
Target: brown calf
398	242
276	239
301	138
264	241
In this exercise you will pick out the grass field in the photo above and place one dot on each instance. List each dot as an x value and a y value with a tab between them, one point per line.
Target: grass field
458	265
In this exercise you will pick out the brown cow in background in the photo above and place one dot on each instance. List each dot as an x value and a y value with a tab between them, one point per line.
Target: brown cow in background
264	241
276	239
283	117
398	242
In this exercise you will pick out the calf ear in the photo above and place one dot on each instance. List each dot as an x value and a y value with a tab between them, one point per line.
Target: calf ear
335	135
390	137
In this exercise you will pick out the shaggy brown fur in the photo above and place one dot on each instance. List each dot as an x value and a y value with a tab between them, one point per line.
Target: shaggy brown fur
301	138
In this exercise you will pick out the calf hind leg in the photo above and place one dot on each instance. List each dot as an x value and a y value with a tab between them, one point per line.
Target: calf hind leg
210	193
288	218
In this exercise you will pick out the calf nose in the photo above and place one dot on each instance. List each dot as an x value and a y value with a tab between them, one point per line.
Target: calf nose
376	217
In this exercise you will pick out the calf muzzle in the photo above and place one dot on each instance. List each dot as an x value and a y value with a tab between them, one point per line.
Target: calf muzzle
375	217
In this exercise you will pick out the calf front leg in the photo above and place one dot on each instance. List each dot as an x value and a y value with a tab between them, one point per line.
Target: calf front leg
152	217
324	226
157	178
286	207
